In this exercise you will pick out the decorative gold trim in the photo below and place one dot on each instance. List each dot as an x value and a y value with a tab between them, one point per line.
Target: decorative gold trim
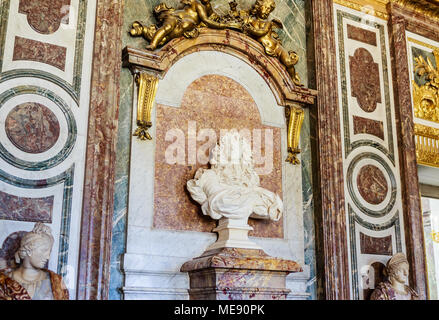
426	97
378	7
423	7
296	116
426	8
427	145
146	95
427	45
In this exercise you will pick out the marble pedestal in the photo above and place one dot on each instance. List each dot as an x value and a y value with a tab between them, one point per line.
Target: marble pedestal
238	274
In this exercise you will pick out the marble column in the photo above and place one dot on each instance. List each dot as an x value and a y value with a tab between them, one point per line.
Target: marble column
407	150
330	206
94	265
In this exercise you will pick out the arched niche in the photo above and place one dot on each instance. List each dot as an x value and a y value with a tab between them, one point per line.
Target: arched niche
154	254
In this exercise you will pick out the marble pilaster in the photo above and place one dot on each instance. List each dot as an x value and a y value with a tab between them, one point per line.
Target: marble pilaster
330	207
409	173
98	201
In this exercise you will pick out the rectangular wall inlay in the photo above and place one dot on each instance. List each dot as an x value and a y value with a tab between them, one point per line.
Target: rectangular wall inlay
33	50
362	35
373	245
25	209
368	126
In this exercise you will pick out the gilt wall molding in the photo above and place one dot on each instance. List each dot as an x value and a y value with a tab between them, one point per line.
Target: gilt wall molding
426	8
379	8
427	145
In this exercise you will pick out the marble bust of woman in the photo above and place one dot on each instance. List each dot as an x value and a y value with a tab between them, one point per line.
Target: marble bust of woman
395	288
30	280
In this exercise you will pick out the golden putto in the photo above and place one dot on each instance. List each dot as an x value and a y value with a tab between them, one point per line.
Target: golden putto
194	14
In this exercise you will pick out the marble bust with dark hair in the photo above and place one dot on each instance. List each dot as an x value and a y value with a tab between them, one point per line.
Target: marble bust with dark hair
31	280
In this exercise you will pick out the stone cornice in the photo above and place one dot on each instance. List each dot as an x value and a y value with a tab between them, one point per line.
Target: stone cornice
427	8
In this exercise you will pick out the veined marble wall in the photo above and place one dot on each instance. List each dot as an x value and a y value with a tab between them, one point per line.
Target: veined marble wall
154	249
370	151
45	68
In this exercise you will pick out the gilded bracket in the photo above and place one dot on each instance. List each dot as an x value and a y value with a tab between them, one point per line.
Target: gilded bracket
147	85
295	115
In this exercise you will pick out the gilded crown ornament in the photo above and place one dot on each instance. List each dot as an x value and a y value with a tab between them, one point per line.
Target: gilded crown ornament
194	14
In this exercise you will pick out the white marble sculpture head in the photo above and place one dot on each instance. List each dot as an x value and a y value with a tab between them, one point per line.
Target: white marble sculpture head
36	246
230	192
398	268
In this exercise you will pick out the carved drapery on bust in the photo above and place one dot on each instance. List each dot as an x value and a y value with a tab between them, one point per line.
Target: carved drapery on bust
394	288
230	192
30	280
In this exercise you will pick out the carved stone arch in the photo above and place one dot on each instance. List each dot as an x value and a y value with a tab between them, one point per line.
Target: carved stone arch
231	42
168	73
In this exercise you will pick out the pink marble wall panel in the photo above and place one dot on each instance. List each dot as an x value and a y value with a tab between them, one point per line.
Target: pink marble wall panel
374	245
45	16
372	184
32	127
215	102
25	209
365	80
362	35
369	126
33	50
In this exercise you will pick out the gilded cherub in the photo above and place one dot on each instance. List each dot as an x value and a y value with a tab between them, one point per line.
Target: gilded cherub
258	27
174	23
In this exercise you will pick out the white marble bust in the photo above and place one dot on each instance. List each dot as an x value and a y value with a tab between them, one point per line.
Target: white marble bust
230	192
31	279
